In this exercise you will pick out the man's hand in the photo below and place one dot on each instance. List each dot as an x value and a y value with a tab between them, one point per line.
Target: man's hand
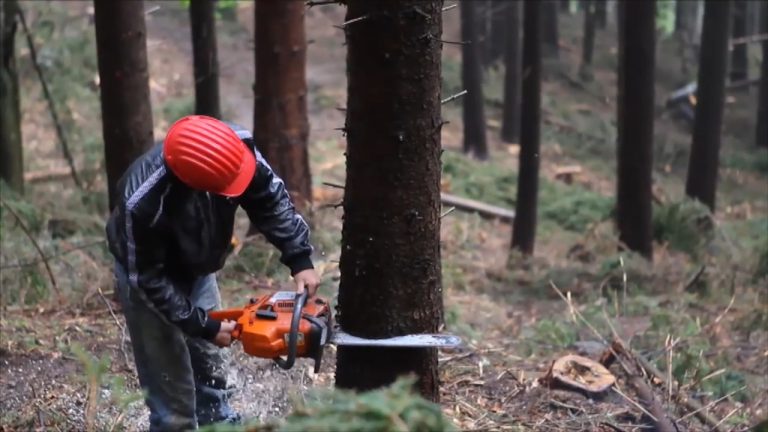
307	279
223	339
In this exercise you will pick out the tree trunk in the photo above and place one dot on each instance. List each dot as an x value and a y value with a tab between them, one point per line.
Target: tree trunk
739	60
206	63
126	110
471	76
510	126
710	94
549	34
685	27
281	127
588	40
390	260
498	29
637	47
601	13
565	6
11	152
761	134
524	225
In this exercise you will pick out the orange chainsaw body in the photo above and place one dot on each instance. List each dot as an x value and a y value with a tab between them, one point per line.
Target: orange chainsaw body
264	325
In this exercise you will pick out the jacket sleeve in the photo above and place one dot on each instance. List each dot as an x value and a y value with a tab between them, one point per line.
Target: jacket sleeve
146	272
271	211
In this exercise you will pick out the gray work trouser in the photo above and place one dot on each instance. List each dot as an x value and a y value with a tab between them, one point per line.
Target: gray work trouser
185	379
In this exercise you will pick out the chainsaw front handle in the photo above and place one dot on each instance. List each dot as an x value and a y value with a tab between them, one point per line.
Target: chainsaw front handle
293	336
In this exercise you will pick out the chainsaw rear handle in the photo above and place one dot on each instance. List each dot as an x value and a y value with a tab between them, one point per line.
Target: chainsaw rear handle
293	336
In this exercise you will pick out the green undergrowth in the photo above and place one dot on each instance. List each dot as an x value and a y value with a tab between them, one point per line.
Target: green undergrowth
570	207
686	225
391	409
696	361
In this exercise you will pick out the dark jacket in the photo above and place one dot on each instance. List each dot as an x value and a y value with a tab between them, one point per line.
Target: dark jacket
165	234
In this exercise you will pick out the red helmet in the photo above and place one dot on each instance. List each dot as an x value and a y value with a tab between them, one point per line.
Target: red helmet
206	154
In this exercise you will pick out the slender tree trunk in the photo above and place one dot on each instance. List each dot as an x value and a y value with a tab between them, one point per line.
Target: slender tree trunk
549	35
524	225
637	47
739	60
510	125
761	134
281	127
390	260
126	110
710	94
601	13
588	40
498	29
11	153
471	76
206	64
685	26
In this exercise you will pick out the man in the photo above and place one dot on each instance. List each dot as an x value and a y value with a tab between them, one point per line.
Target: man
169	233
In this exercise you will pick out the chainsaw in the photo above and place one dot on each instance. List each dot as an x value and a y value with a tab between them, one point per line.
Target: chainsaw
287	324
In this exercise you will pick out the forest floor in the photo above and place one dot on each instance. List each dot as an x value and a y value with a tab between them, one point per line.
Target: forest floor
697	312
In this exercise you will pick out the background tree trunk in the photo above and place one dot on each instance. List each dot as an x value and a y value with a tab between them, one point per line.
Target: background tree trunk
710	94
588	40
524	225
126	110
281	127
510	126
761	134
565	6
390	259
498	29
637	47
549	35
739	60
601	13
206	64
11	151
685	27
471	76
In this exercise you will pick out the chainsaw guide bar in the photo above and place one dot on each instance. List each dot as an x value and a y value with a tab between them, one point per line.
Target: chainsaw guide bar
287	324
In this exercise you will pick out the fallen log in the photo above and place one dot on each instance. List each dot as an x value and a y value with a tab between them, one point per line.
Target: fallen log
481	208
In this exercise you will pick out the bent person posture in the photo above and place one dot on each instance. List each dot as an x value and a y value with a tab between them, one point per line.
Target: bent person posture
169	234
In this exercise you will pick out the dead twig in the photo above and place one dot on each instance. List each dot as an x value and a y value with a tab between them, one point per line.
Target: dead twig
36	245
351	21
713	403
119	325
453	97
681	398
447	8
333	185
47	93
695	278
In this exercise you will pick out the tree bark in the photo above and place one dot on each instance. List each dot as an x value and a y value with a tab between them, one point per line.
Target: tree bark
588	39
601	13
471	76
281	127
390	260
206	64
11	151
126	109
550	35
761	133
637	47
524	225
710	94
510	126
